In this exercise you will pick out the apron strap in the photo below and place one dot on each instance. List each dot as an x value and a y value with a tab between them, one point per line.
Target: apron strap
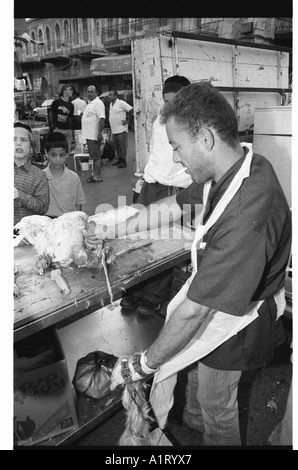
230	192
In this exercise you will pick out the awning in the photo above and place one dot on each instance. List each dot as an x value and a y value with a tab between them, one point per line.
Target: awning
112	65
75	78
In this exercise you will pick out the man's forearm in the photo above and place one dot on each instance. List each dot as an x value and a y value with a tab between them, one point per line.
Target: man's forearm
150	217
183	324
101	126
155	215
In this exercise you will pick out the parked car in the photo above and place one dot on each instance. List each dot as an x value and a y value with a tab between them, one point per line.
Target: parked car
26	101
125	95
41	112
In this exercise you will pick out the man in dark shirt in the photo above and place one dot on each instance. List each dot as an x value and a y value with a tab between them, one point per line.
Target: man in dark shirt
61	114
239	265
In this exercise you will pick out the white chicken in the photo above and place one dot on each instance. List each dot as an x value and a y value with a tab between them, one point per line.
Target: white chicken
59	242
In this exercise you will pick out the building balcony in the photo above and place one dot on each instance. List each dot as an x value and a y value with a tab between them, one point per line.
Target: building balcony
30	59
57	56
86	51
209	26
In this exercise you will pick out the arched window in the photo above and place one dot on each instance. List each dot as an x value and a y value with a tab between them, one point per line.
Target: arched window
57	36
33	45
125	25
66	31
75	31
110	28
85	30
139	24
48	39
40	35
97	28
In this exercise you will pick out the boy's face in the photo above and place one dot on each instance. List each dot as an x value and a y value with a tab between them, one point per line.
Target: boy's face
57	157
22	143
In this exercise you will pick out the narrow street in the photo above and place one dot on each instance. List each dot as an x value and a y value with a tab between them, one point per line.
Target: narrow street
116	181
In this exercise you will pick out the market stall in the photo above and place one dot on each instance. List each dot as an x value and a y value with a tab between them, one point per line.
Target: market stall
86	319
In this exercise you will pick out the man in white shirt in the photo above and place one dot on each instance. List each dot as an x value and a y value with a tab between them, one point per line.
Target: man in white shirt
161	179
93	122
120	113
79	104
79	108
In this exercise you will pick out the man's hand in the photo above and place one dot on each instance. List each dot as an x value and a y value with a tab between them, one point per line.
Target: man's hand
130	369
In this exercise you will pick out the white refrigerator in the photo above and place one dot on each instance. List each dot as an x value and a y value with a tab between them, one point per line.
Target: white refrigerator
273	139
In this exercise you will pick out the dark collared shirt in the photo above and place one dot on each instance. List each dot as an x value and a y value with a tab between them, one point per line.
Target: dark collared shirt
33	189
244	259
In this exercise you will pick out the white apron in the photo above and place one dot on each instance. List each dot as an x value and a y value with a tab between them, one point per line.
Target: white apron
219	326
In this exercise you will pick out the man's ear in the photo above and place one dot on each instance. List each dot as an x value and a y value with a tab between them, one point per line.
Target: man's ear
208	138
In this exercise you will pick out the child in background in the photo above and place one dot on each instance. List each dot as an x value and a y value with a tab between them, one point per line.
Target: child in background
66	191
31	191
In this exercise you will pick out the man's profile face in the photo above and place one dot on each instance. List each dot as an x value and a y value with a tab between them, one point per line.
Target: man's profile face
69	91
190	152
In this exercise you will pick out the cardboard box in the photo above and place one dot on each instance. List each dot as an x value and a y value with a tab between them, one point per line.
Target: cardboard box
43	397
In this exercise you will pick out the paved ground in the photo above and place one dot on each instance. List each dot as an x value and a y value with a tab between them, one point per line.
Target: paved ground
116	181
262	400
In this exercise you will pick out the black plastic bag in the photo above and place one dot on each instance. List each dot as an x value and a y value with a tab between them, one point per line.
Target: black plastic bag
93	373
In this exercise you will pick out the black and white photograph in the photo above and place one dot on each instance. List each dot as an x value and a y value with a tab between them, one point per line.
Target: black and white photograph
152	235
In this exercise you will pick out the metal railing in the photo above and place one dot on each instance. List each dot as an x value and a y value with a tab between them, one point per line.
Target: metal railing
135	28
283	25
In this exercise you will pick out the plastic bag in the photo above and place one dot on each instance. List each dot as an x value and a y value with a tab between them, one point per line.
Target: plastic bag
93	374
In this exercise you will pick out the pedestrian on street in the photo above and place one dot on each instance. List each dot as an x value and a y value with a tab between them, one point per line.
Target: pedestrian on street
79	104
226	317
61	114
120	114
161	179
79	108
93	122
66	191
31	190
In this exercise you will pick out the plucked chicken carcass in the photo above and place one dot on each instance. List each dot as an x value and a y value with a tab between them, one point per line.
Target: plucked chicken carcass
60	242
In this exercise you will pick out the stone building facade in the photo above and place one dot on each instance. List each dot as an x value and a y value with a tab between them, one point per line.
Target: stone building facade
62	49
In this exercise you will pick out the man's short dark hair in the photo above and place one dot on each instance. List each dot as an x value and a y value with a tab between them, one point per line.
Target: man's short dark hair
64	87
55	140
24	126
174	84
201	104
